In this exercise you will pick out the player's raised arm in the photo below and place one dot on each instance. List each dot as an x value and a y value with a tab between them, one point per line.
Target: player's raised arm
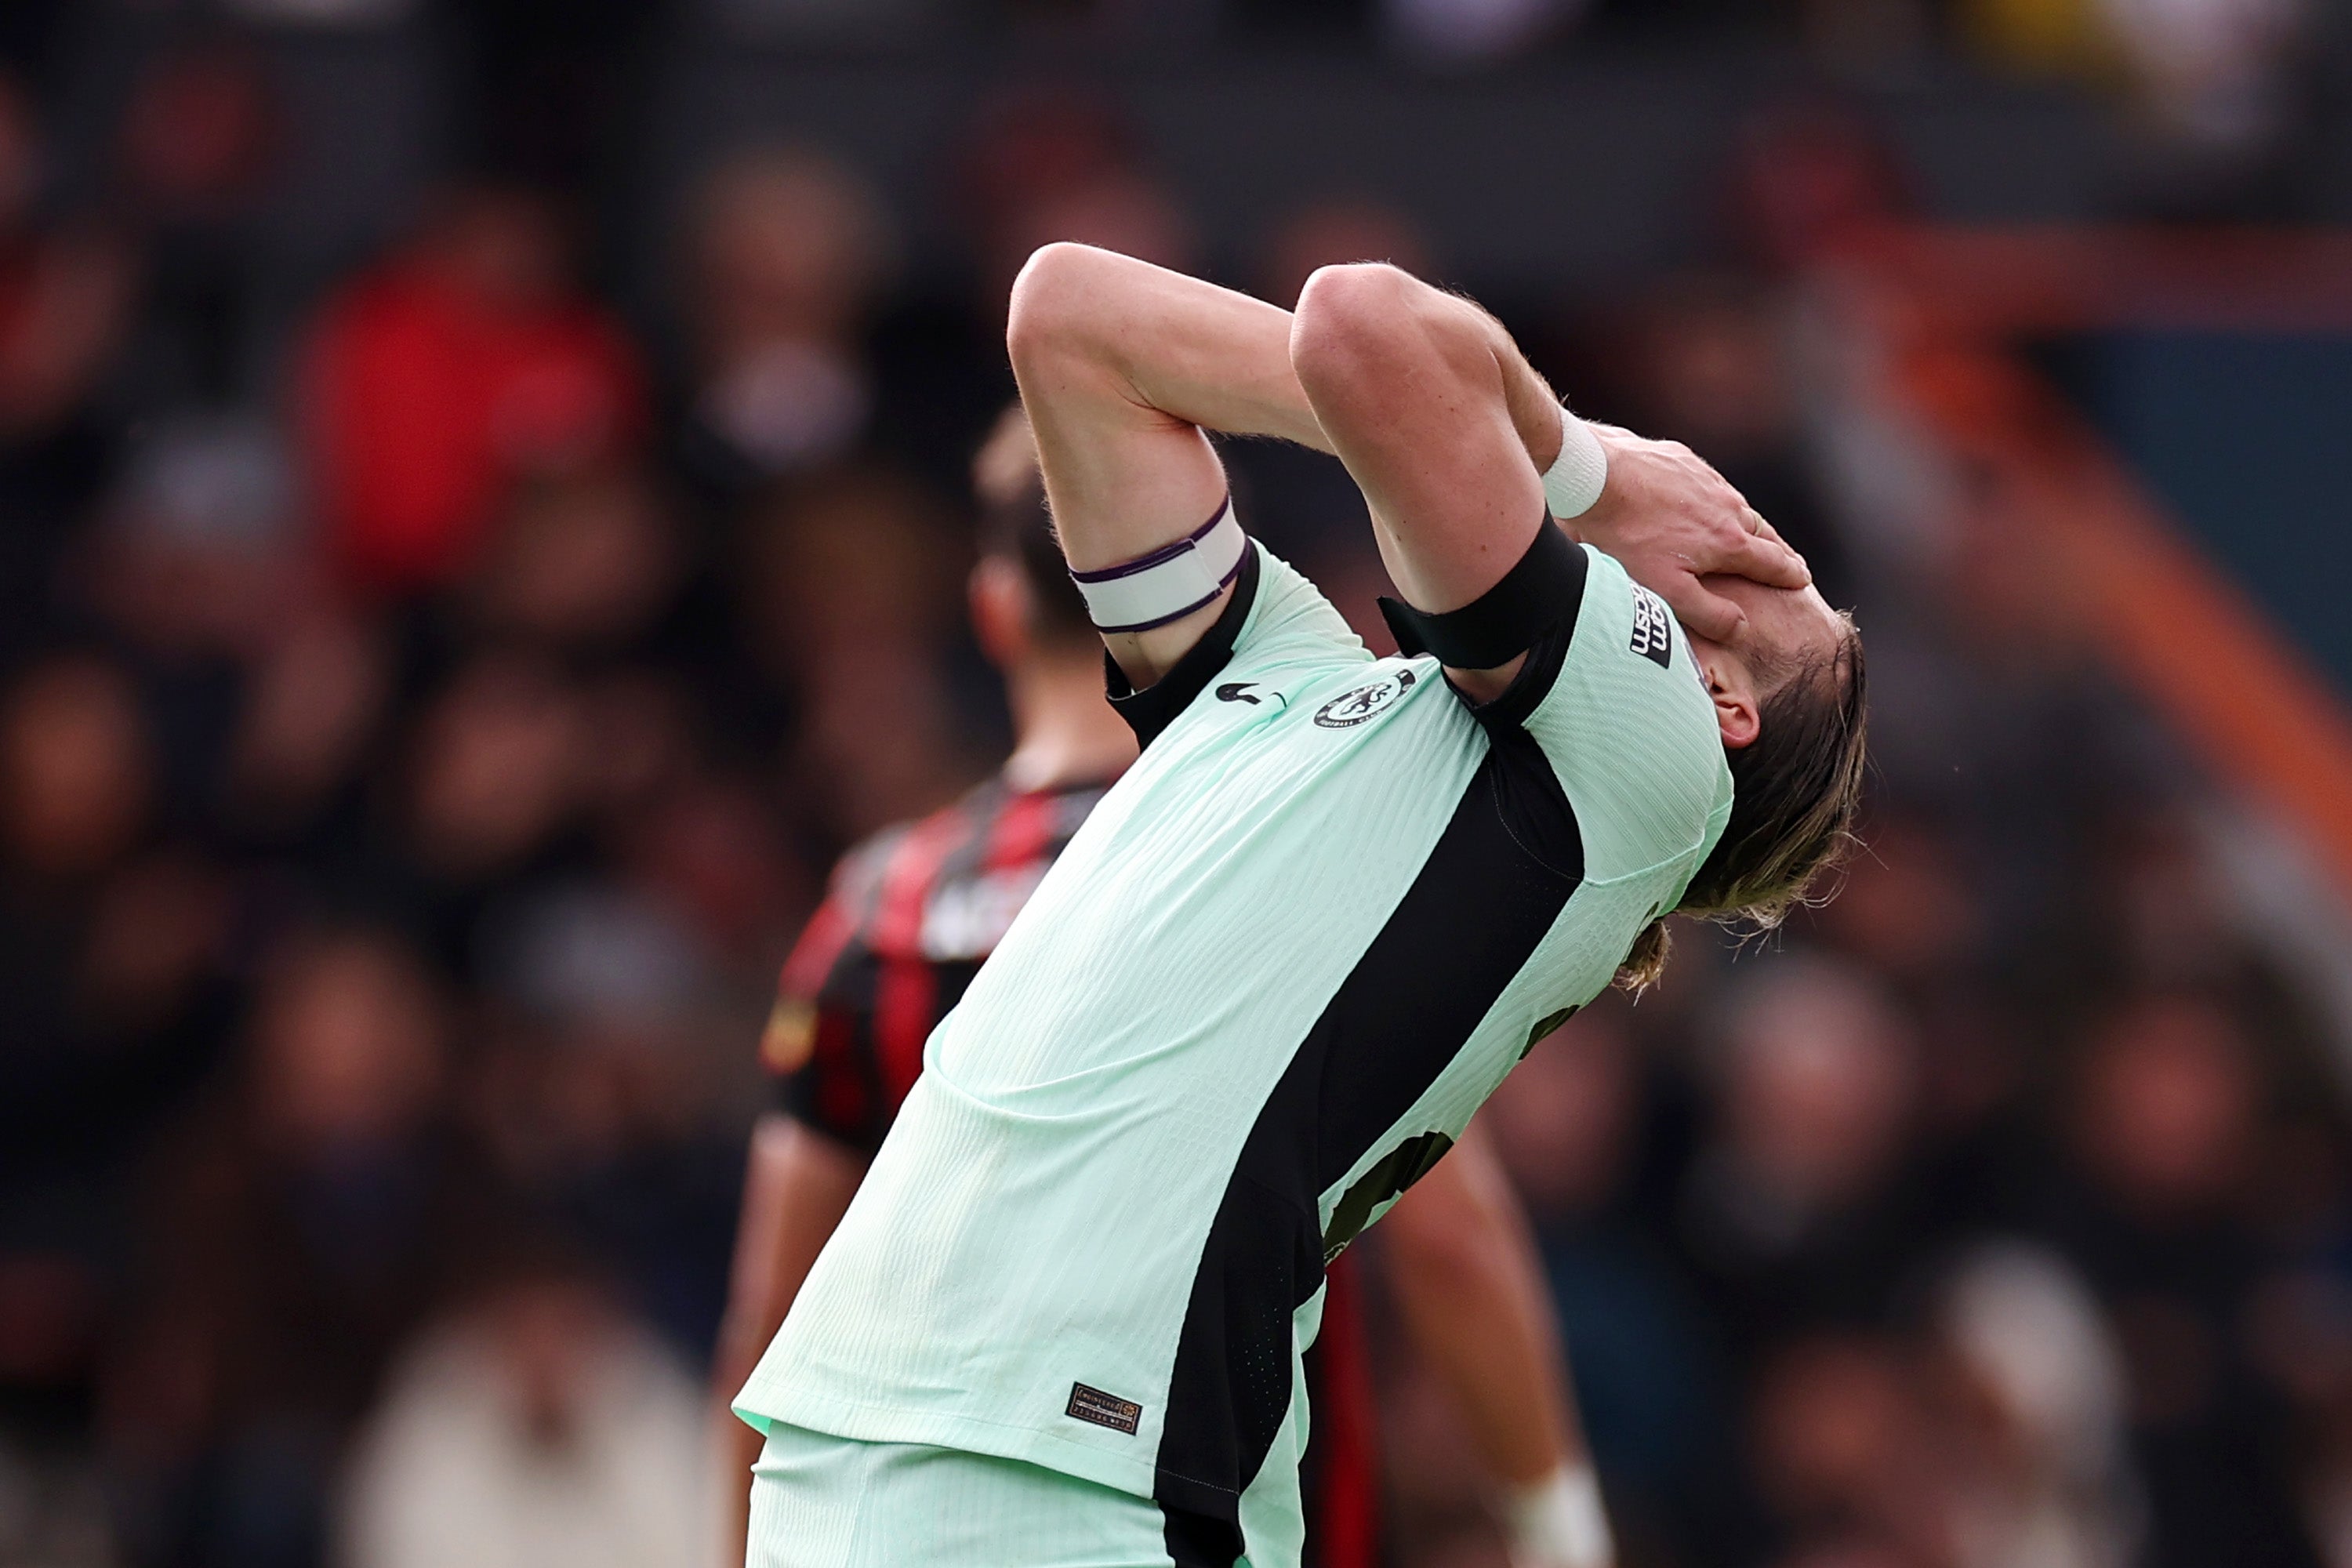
1122	365
1445	427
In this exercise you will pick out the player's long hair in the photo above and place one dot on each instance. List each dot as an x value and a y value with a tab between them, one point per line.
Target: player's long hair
1795	791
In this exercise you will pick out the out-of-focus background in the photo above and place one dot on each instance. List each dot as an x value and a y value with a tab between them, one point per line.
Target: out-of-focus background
482	524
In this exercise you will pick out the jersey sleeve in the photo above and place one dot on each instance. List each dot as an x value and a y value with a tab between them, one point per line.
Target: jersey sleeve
1274	621
1614	702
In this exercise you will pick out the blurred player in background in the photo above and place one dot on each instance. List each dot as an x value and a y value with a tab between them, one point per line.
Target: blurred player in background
912	913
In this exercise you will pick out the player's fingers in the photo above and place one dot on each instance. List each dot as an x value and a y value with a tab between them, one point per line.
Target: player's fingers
1740	543
1763	528
1765	558
1704	612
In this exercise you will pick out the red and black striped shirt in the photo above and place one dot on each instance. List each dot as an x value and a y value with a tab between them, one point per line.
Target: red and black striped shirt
909	916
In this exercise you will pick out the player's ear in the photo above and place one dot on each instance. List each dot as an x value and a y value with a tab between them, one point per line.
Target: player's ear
999	602
1737	707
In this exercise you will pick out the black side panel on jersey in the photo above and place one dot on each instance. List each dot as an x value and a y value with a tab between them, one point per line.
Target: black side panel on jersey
1498	877
1155	706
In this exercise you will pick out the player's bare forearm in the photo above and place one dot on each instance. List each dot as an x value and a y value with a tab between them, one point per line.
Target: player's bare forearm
796	1187
1462	1269
1426	400
1446	428
1122	366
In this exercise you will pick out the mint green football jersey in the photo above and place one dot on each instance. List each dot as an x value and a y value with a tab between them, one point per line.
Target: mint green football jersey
1259	994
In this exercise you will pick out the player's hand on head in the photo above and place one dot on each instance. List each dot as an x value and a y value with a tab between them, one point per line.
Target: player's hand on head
1671	521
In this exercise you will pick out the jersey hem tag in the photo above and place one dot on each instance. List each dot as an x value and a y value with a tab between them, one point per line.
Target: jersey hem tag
1092	1405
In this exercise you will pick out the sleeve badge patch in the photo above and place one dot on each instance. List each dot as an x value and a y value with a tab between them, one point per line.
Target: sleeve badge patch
1654	629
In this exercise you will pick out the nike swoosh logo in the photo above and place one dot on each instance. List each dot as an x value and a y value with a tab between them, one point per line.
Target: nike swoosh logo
1236	692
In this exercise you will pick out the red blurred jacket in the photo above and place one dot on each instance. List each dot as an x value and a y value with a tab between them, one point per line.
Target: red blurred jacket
426	399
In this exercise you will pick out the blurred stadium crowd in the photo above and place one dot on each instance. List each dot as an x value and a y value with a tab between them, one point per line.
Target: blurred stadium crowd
432	694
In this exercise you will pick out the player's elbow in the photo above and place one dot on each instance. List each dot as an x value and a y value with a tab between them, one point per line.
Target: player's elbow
1363	329
1059	305
1345	313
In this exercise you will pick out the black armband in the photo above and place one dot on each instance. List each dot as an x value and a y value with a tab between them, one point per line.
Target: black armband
1540	594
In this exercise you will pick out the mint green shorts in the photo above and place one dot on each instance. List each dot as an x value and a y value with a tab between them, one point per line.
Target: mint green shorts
821	1501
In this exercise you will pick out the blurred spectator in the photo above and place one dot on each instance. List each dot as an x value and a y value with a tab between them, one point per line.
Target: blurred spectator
111	1005
314	706
581	562
2168	1114
1568	1125
305	1223
787	254
268	689
1043	167
848	598
1800	1212
199	141
197	557
711	850
2037	1469
1844	1449
78	771
66	291
498	766
110	965
1906	909
494	781
1912	913
607	1111
2167	922
193	570
542	1426
435	380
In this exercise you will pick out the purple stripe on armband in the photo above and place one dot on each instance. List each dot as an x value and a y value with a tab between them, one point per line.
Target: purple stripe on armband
1164	553
1207	599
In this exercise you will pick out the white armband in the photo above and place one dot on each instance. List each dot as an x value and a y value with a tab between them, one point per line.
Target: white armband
1573	482
1557	1522
1169	584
